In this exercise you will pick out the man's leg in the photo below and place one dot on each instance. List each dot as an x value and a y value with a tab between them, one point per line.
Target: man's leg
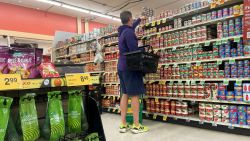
124	107
135	108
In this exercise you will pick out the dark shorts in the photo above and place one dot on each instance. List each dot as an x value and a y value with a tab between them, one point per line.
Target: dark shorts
131	83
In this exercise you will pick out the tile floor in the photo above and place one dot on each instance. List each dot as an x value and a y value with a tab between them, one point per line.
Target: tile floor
164	132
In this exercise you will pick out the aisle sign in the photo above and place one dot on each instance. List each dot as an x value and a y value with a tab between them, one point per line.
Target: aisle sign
10	81
78	79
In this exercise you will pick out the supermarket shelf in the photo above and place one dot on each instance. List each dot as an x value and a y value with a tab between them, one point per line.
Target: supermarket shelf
110	44
203	79
95	72
193	25
111	52
112	109
111	61
111	83
110	72
61	57
87	62
81	52
110	95
192	12
58	48
208	60
193	118
201	42
200	100
109	35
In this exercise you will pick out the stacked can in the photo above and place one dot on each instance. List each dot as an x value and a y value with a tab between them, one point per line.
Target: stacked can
246	68
219	30
240	69
217	112
219	14
242	115
202	111
222	90
209	112
227	71
230	96
238	92
233	52
225	113
222	51
231	27
225	29
227	49
248	115
225	12
240	49
238	26
214	15
234	70
233	116
246	92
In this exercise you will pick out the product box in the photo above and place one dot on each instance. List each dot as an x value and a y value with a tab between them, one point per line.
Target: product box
246	87
246	96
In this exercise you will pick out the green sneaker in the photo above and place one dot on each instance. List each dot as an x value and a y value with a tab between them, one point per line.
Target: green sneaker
139	129
123	128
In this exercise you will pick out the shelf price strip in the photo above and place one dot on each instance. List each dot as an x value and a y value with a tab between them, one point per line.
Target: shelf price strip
78	79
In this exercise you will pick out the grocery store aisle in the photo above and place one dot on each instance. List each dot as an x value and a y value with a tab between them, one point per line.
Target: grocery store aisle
164	132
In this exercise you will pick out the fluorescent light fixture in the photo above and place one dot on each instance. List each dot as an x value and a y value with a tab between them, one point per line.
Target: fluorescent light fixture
116	19
50	2
75	8
100	15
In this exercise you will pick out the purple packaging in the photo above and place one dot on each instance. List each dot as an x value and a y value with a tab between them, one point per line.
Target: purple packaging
22	61
233	115
242	115
225	12
4	55
233	121
233	107
214	15
219	14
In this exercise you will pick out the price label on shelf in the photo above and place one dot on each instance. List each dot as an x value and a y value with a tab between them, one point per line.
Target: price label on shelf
219	62
119	111
202	82
104	96
164	20
156	100
146	114
187	120
207	43
167	65
198	63
232	61
162	82
188	82
158	35
78	79
153	23
201	122
109	109
187	46
154	116
175	118
224	41
147	24
114	110
196	45
175	65
171	82
108	97
118	98
164	118
188	65
225	82
158	22
151	81
238	82
174	48
193	82
10	81
214	124
218	43
231	126
237	39
180	82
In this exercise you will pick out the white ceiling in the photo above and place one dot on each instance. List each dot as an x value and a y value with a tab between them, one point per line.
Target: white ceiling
111	7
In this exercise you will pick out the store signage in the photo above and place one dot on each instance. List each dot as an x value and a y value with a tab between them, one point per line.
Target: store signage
10	81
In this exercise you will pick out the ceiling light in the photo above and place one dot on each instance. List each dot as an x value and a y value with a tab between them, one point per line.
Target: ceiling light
116	19
50	2
75	8
100	15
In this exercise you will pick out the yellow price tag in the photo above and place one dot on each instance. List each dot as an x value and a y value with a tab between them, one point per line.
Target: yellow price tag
164	20
108	97
153	23
162	82
154	116
156	100
10	81
158	22
147	24
158	35
78	79
164	118
95	79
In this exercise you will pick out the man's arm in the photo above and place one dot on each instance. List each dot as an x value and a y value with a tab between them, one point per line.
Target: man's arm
136	23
